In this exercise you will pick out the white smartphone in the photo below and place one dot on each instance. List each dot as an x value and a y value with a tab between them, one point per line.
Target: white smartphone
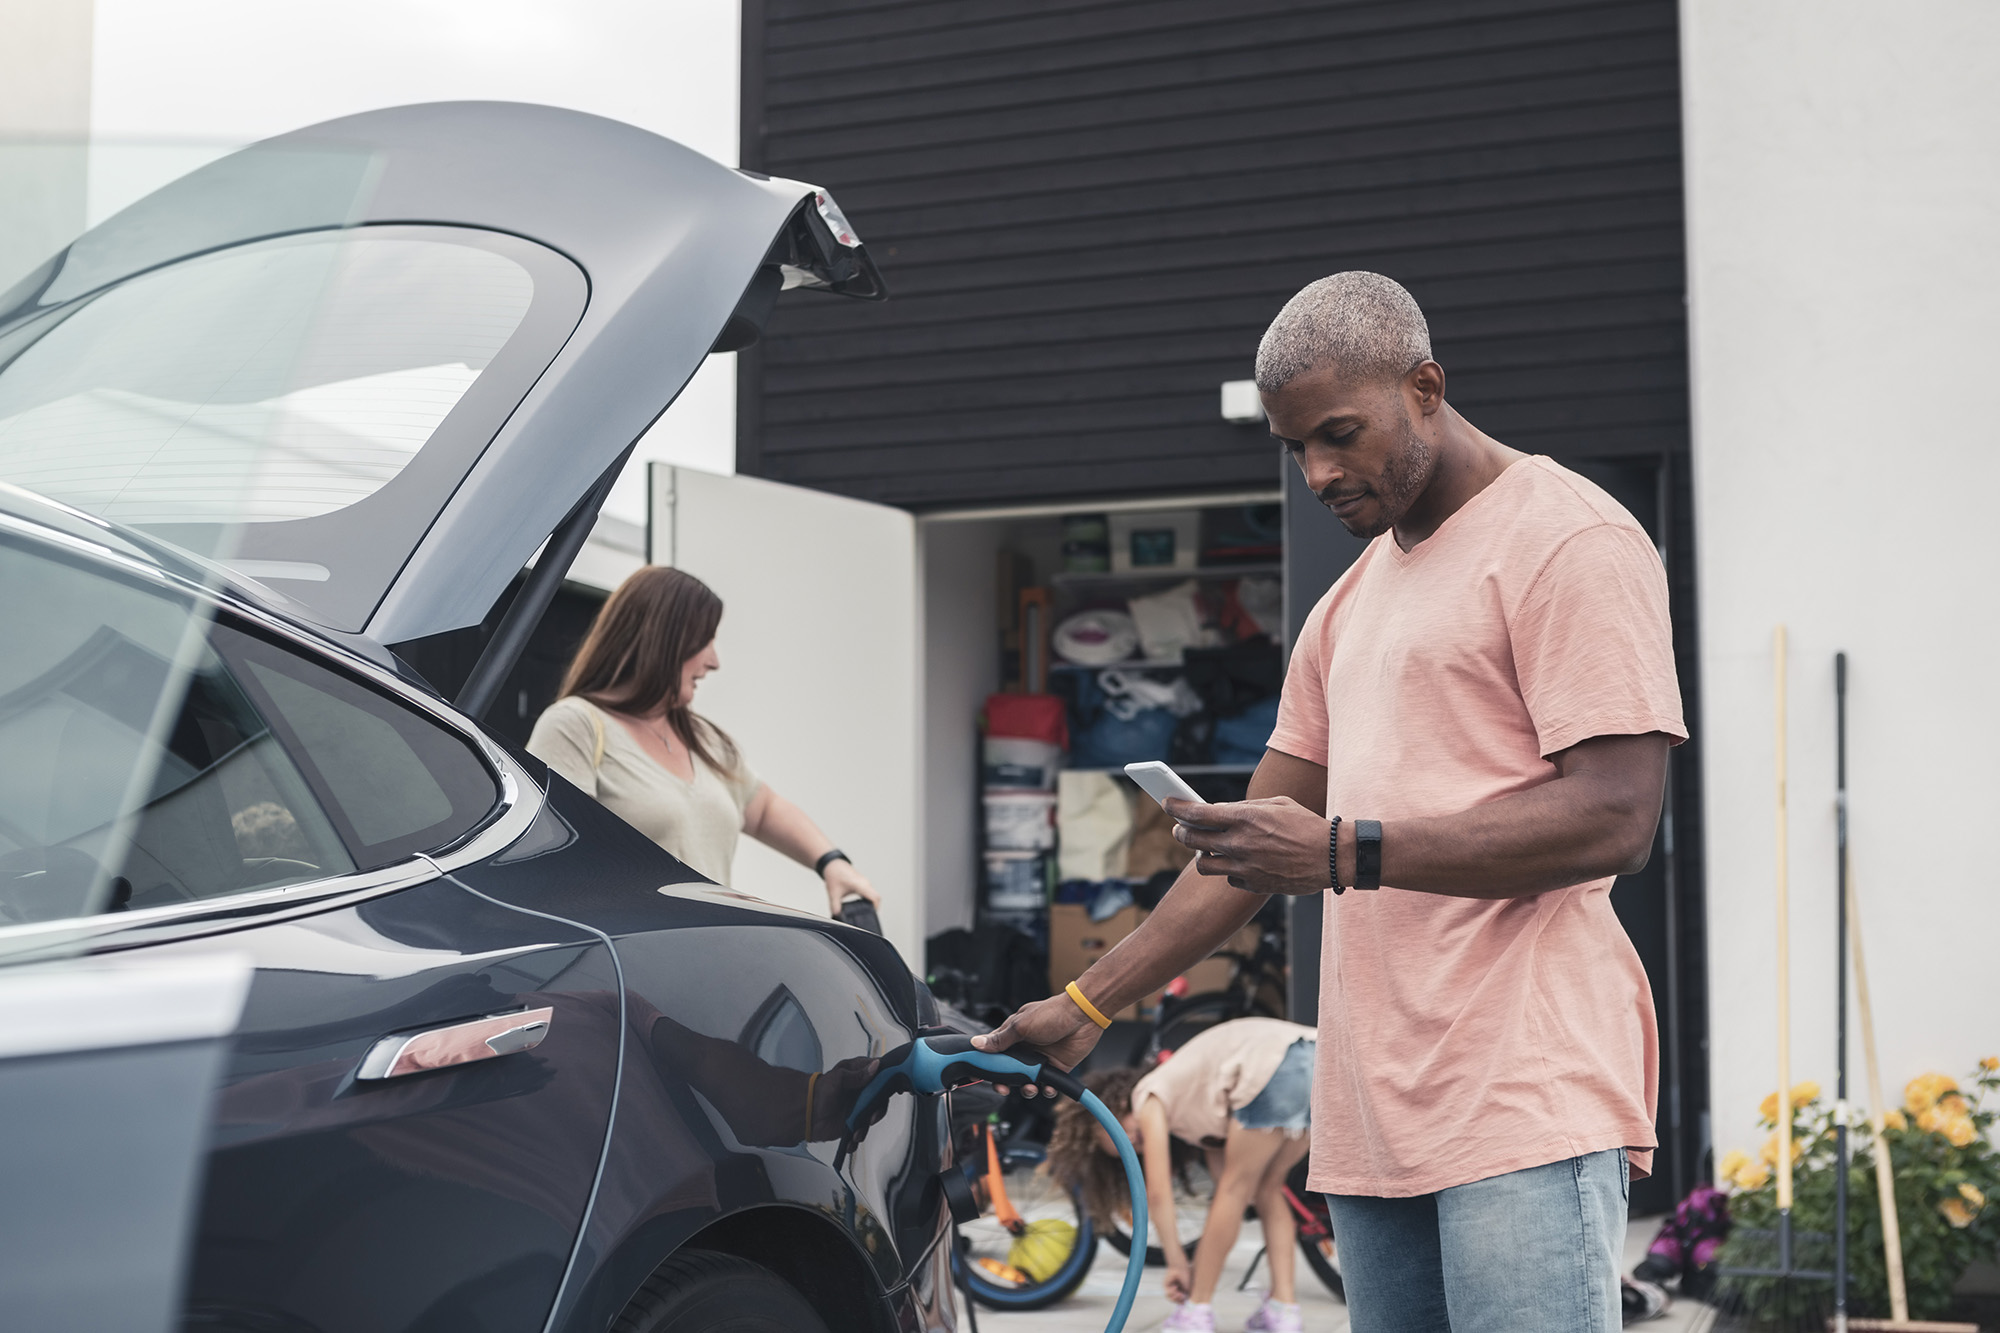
1159	782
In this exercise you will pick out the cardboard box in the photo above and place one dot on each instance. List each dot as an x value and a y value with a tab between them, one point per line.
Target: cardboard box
1075	942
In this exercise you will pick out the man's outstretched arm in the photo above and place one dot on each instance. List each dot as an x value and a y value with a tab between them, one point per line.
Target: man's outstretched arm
1191	922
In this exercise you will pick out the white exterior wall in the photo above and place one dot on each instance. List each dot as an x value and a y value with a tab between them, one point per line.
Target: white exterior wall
229	71
1844	270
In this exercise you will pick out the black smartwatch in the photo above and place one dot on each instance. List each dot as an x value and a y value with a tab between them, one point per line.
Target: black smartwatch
819	866
1367	853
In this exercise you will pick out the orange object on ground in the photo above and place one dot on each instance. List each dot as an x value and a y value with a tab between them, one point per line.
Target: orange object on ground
1004	1211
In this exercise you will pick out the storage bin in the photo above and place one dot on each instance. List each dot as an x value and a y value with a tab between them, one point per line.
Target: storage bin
1155	539
1020	821
1017	881
1010	761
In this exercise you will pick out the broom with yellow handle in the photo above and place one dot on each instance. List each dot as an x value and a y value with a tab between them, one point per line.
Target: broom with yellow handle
1785	1271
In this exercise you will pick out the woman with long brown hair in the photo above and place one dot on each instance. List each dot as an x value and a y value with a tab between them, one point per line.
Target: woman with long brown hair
624	729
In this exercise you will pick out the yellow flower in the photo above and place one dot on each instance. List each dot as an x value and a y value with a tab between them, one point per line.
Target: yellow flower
1956	1213
1805	1094
1961	1131
1972	1194
1954	1105
1931	1121
1768	1109
1732	1161
1895	1120
1923	1091
1751	1175
1770	1150
1990	1063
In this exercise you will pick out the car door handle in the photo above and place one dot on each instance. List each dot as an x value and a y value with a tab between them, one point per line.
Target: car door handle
457	1044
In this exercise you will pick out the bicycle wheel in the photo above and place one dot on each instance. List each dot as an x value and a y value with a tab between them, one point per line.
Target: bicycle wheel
1315	1228
1192	1192
1006	1271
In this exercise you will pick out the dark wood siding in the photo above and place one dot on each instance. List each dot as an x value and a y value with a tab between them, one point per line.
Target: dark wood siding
1087	213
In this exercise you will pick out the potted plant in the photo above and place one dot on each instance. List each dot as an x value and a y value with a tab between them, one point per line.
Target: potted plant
1947	1176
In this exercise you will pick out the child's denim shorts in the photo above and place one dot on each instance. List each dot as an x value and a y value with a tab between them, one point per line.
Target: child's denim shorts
1286	1101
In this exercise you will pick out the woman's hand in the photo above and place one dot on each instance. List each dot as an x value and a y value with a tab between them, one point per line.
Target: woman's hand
843	881
1180	1277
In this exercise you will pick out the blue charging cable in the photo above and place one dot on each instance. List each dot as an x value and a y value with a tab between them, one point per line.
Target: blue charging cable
938	1064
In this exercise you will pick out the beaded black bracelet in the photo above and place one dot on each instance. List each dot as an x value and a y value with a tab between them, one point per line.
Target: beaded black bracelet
1333	853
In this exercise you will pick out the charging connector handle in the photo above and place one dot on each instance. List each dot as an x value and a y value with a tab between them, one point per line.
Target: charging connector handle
938	1064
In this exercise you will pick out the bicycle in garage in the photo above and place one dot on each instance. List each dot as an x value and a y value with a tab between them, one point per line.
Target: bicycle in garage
1033	1242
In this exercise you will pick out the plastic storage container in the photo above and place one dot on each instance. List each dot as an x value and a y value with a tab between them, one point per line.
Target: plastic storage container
1020	821
1017	881
1014	762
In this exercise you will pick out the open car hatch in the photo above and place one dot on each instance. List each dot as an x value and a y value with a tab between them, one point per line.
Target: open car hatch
374	363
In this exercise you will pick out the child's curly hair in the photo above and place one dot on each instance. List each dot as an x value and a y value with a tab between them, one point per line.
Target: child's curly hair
1074	1159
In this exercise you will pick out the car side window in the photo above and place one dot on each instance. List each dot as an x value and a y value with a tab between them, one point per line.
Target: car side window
393	781
138	773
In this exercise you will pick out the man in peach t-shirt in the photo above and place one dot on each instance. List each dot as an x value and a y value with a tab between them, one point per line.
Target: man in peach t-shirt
1471	743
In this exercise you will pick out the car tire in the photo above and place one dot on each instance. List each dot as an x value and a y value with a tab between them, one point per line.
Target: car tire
700	1291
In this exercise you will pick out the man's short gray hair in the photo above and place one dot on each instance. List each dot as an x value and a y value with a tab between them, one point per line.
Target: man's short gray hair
1362	322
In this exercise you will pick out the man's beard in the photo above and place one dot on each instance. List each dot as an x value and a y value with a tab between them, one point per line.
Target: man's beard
1404	477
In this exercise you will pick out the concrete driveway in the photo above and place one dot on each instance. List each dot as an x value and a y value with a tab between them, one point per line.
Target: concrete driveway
1086	1311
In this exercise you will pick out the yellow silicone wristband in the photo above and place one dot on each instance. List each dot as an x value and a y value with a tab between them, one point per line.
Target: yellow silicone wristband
1089	1009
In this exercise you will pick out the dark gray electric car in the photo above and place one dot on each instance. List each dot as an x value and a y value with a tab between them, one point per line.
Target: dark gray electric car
505	1064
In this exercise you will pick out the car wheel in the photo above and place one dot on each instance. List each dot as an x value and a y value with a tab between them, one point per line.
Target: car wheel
699	1291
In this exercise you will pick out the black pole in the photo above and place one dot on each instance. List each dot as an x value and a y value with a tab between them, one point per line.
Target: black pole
489	673
1840	991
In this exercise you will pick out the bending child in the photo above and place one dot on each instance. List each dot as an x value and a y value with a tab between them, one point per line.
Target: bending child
1241	1093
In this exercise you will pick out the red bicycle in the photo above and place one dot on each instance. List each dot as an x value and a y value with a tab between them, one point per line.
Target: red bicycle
1315	1232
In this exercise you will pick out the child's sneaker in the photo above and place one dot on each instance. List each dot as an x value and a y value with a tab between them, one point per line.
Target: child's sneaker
1274	1317
1190	1318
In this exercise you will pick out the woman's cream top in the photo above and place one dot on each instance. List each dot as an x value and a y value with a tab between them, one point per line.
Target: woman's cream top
1218	1072
697	821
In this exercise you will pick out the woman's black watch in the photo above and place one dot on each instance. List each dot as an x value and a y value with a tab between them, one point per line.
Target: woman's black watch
819	866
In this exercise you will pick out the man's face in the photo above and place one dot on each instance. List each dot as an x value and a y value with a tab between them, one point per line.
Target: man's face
1360	443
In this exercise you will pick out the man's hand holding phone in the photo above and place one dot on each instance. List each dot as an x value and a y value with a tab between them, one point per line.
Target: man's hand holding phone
1272	845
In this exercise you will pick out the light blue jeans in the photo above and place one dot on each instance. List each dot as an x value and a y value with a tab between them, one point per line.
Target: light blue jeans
1534	1251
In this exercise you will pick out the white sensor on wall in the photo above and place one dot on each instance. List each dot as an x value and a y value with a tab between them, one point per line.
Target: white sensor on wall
1240	402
